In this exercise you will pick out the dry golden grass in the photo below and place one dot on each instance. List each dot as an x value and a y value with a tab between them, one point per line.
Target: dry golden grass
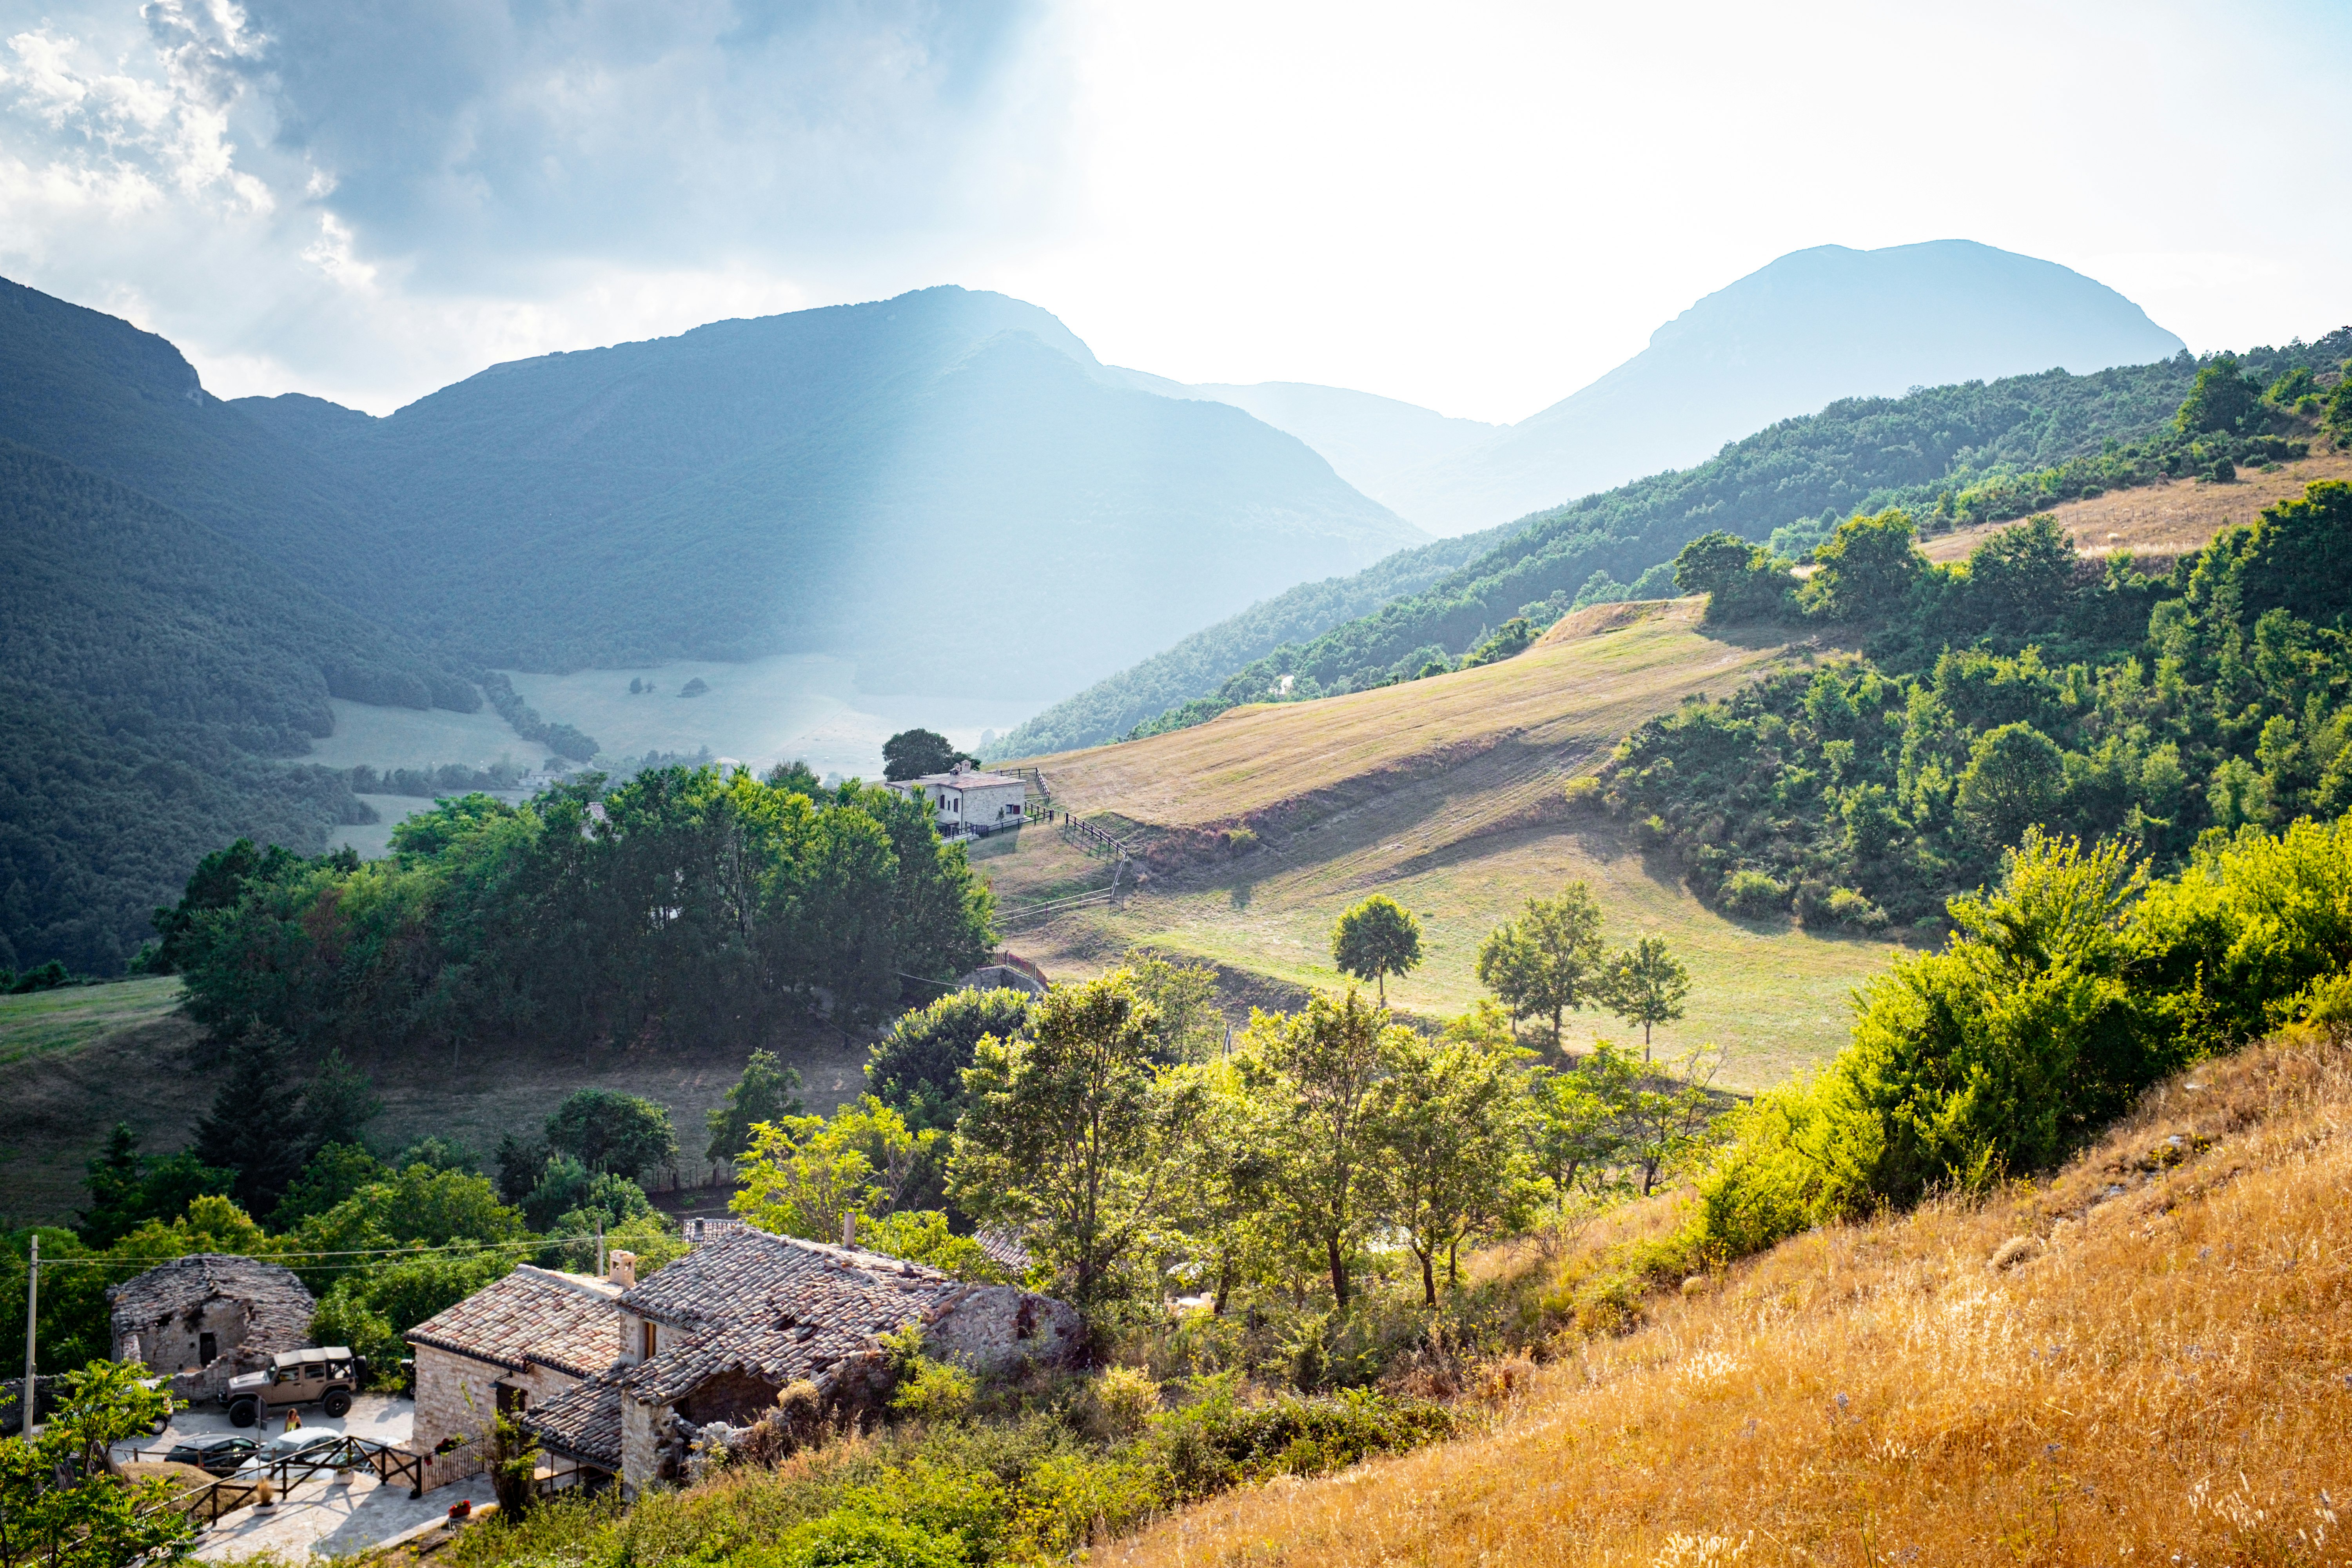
1577	690
2164	520
2161	1375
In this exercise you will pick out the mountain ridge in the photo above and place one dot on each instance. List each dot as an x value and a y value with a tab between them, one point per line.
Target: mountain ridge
1951	311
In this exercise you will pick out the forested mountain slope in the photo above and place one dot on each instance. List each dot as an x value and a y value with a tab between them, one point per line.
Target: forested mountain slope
149	670
858	480
837	481
1960	454
95	391
1109	709
1815	325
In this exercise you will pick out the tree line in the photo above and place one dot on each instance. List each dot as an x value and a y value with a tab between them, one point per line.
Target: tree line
1110	1126
685	903
2023	687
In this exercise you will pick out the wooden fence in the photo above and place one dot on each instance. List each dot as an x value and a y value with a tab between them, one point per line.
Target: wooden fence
226	1494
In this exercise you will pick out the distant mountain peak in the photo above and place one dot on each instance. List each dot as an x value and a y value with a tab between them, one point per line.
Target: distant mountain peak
1789	338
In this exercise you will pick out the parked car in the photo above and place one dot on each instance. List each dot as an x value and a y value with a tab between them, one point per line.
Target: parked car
291	1449
219	1455
326	1377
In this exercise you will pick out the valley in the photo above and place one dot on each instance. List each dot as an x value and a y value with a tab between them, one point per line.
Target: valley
1447	795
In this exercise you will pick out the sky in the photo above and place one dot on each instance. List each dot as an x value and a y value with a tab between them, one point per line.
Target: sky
1478	207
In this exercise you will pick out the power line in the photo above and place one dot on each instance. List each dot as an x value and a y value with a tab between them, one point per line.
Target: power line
471	1246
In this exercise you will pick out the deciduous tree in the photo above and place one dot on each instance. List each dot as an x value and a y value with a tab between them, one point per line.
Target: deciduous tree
1312	1074
60	1505
767	1092
1449	1121
1077	1134
1376	938
1549	960
1645	984
911	753
605	1130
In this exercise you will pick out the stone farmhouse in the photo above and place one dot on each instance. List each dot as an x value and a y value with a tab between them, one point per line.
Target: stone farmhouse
967	803
712	1338
518	1341
206	1318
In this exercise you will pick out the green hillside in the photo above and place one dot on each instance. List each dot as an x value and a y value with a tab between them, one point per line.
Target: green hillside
854	481
151	672
836	481
1966	452
94	390
1109	709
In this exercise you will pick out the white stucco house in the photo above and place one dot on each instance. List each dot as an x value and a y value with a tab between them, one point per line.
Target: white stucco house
969	802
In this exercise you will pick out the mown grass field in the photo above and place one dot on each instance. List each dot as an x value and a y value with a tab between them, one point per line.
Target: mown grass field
2145	1360
2165	520
43	1021
1445	794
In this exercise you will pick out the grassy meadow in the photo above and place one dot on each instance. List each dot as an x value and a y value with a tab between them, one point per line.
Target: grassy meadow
1445	794
75	1061
41	1022
2164	520
2147	1359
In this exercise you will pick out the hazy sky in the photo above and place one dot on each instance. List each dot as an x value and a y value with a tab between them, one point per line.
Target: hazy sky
1478	208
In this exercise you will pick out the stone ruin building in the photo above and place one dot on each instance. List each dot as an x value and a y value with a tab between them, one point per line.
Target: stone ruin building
208	1317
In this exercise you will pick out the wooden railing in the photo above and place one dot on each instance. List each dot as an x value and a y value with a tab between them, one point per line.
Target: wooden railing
226	1494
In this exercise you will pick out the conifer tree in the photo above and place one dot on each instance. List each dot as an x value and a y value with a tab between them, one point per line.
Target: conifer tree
255	1127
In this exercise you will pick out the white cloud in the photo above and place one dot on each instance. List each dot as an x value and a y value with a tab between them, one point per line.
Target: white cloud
1478	207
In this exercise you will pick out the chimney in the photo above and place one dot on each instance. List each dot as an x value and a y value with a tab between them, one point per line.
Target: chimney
620	1268
849	1228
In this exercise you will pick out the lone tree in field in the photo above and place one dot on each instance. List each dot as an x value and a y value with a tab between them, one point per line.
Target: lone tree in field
911	753
1645	984
605	1130
1549	960
1377	939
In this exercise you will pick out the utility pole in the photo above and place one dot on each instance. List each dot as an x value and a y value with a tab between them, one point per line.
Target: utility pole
600	1247
32	1317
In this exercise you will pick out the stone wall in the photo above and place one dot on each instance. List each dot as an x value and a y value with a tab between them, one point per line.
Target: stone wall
177	1345
641	1438
457	1394
735	1397
993	1327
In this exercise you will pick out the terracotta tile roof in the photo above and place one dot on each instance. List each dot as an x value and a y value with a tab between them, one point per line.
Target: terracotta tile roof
752	1277
583	1422
566	1321
1005	1247
778	1356
278	1308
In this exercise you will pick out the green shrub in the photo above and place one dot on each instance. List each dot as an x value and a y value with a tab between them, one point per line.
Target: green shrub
850	1538
934	1391
1219	1443
1849	907
1752	893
